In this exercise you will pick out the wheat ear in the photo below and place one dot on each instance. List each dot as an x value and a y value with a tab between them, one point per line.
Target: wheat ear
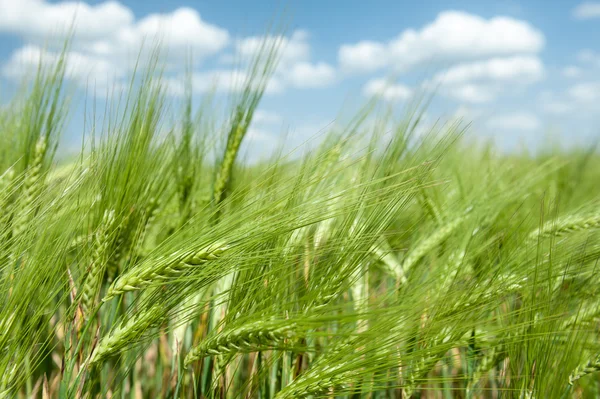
582	370
32	187
426	245
127	334
244	339
311	384
567	225
142	276
97	267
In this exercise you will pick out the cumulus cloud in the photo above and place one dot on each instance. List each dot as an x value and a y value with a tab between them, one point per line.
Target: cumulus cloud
467	113
484	81
453	36
587	10
110	28
387	90
293	49
572	71
219	80
551	103
38	19
106	36
472	93
307	75
588	92
590	57
256	134
295	67
364	56
523	121
85	69
266	117
518	69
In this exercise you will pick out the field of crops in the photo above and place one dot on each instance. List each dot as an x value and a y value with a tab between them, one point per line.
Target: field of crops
385	262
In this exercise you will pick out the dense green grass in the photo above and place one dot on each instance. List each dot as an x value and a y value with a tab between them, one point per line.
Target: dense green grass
381	264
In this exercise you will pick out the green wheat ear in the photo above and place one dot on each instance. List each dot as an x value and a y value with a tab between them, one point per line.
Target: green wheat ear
123	335
567	225
431	242
32	187
146	274
245	339
102	244
590	367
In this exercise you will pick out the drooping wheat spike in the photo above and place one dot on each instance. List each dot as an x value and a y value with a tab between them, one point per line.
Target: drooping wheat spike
245	339
567	225
590	367
144	275
311	384
32	187
127	334
426	245
93	280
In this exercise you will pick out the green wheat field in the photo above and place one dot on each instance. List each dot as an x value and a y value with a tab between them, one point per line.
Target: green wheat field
382	262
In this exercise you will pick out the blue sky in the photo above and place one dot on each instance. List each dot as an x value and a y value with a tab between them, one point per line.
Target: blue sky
518	70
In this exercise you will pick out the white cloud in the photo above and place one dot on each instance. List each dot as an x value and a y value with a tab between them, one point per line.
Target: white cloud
85	69
588	56
453	36
484	81
365	56
266	117
523	121
387	90
572	71
557	107
295	68
293	49
585	92
307	75
472	93
107	37
553	104
39	19
587	10
467	113
179	31
220	80
518	69
256	134
110	28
